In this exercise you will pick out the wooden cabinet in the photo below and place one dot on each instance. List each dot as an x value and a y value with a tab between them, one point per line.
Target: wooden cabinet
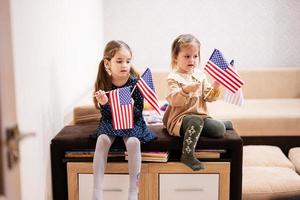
116	181
187	186
159	181
115	186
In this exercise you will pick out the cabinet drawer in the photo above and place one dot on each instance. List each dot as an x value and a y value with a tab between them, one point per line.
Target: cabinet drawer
189	186
115	186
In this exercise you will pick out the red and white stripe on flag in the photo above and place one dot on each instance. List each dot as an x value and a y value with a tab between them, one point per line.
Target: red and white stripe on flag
121	108
218	68
148	94
227	77
233	98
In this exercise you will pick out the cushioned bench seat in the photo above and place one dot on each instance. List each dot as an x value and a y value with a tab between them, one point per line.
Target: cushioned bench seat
294	156
272	105
263	183
268	174
268	117
265	156
77	137
272	102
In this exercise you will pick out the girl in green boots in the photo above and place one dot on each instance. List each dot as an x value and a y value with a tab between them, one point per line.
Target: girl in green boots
189	91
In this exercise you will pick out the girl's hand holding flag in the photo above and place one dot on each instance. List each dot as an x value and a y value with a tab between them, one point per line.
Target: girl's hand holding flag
101	97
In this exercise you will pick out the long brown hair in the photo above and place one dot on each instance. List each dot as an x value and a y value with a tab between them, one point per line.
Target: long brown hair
182	41
103	81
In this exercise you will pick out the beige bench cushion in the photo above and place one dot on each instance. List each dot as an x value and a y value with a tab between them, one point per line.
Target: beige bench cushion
260	83
256	117
85	114
268	117
294	156
272	106
266	156
261	183
264	83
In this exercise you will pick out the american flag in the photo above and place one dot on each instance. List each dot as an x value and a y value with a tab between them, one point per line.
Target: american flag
122	108
233	98
218	68
146	86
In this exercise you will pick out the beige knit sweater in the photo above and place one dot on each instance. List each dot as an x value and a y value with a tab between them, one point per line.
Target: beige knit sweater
181	104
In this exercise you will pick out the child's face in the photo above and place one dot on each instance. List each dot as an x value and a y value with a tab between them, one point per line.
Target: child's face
120	64
188	58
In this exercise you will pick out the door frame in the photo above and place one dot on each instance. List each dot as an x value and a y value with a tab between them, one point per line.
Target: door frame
10	176
1	153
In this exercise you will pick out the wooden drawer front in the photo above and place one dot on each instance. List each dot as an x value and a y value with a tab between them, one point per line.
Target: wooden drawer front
115	186
189	186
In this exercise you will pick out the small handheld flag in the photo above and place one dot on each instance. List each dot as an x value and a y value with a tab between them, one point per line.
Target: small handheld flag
146	86
233	98
122	108
218	68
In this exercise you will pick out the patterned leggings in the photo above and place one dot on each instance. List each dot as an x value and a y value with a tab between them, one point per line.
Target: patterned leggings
211	127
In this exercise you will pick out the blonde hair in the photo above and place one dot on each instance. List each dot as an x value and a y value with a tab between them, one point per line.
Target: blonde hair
181	41
103	81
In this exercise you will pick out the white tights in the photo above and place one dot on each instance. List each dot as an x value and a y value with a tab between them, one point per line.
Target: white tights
100	159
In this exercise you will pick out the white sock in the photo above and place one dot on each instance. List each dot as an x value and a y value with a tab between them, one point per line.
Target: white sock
133	195
133	147
97	194
99	163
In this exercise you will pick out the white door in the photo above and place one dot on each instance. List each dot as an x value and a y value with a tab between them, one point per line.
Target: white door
9	134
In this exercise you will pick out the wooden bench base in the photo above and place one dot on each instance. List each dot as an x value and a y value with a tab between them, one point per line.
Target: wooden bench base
156	181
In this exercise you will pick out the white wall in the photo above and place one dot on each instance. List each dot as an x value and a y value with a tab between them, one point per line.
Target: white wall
57	46
258	33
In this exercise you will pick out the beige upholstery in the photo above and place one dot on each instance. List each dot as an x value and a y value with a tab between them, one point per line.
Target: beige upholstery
268	83
263	183
272	102
261	116
294	156
264	155
268	173
272	105
84	114
260	83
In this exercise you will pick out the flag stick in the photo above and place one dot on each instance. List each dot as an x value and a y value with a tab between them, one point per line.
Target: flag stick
133	89
208	93
110	90
95	95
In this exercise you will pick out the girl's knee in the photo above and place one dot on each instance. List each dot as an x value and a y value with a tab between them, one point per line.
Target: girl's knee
228	124
194	121
132	143
103	140
220	131
214	128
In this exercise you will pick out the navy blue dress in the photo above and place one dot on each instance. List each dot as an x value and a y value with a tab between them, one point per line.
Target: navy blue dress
139	130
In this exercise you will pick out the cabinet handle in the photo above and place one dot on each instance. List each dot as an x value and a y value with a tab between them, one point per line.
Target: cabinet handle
189	190
112	190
